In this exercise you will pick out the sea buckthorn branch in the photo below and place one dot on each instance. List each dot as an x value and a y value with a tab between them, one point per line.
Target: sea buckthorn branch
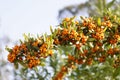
98	33
94	40
31	52
64	70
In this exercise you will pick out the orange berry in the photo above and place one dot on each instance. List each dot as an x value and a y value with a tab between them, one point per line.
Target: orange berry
67	19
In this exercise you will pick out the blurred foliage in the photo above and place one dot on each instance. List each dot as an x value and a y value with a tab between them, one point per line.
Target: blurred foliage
5	67
91	8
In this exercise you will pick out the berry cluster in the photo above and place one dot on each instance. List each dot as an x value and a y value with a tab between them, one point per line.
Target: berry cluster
30	52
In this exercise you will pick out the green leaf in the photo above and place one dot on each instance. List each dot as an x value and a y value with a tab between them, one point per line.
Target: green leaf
105	29
116	72
107	45
55	32
98	5
42	64
21	41
25	37
59	50
16	64
51	29
22	63
36	69
81	17
99	21
91	39
68	49
8	49
72	18
110	4
44	37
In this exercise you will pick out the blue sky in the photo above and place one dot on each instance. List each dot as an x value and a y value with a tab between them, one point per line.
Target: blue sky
30	16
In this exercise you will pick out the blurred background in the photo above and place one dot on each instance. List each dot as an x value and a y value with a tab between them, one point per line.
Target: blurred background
26	16
36	16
